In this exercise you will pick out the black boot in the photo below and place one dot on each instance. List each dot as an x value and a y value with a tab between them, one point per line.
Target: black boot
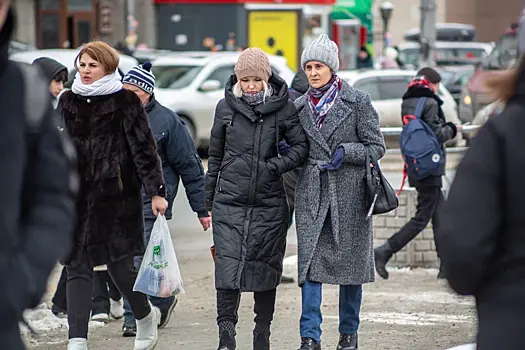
309	344
347	342
382	254
261	337
226	336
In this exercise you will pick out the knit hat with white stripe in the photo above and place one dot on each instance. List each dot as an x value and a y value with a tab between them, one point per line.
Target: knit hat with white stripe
141	76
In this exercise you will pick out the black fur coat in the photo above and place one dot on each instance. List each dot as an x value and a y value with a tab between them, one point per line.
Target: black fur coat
116	155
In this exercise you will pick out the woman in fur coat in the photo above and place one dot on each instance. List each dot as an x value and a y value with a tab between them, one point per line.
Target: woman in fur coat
117	155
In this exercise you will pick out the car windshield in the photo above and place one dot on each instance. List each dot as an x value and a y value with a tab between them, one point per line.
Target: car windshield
504	54
444	56
446	75
174	76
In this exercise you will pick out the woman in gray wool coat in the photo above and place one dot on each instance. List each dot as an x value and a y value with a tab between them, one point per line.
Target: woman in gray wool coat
335	239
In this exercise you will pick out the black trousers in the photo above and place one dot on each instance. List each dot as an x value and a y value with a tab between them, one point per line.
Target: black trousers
80	288
103	289
228	306
429	203
60	298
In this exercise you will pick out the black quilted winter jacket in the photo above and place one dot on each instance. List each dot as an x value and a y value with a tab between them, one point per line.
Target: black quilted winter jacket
244	189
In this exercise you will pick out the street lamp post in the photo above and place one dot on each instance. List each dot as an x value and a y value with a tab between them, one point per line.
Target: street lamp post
386	9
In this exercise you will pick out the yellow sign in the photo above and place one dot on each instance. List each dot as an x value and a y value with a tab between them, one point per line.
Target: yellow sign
276	32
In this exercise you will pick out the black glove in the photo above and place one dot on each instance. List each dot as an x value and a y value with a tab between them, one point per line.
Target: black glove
453	127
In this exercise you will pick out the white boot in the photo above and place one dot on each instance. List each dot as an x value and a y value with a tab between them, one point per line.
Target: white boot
77	344
117	309
147	333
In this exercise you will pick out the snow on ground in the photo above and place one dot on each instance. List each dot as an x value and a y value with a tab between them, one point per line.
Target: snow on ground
41	319
433	297
415	319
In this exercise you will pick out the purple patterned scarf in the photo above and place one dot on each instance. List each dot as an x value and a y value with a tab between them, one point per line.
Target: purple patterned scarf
321	100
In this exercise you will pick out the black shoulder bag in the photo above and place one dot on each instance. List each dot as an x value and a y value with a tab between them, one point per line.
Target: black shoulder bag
380	196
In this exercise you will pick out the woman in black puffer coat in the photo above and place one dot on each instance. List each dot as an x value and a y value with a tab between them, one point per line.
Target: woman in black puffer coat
245	193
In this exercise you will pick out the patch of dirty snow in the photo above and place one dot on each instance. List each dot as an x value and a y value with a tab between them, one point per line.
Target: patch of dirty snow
412	319
434	297
415	271
42	320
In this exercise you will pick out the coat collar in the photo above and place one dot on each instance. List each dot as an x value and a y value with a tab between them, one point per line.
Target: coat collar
340	110
151	104
273	103
97	104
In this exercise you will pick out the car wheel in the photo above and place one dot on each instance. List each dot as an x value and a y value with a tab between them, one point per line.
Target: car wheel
189	126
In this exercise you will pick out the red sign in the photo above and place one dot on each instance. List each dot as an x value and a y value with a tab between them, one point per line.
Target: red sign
299	2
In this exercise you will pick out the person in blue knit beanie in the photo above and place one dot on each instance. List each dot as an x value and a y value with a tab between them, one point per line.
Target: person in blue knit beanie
179	161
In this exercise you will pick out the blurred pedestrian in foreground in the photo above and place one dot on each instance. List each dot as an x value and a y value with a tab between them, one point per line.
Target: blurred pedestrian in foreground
334	235
429	193
483	228
117	156
180	160
37	186
245	194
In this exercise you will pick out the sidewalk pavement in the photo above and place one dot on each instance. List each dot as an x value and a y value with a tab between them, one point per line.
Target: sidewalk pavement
412	310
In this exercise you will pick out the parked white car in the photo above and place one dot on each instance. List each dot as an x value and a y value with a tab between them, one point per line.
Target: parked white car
386	88
192	84
447	53
67	58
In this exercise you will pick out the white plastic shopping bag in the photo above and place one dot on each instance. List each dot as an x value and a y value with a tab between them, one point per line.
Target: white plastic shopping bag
159	273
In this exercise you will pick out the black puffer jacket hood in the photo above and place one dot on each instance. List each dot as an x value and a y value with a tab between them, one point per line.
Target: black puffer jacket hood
277	101
50	67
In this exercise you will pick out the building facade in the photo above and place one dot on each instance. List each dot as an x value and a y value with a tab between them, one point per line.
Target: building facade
490	17
69	23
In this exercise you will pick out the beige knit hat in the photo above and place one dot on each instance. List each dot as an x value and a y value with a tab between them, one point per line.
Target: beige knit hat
253	62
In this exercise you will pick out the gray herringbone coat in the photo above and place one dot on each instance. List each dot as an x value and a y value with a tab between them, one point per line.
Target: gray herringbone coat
335	240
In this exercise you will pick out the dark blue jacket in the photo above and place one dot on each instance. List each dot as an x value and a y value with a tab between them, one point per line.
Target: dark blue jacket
179	159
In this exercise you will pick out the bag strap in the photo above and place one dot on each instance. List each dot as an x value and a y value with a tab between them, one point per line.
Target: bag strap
368	162
419	107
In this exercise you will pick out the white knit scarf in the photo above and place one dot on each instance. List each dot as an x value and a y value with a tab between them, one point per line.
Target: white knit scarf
106	85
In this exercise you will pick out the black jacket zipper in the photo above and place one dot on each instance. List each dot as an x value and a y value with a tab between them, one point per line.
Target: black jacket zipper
218	184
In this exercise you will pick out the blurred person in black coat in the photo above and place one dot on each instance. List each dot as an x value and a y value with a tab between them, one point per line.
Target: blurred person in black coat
37	187
483	228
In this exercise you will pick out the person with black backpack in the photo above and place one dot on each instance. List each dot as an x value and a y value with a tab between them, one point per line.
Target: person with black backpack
422	142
